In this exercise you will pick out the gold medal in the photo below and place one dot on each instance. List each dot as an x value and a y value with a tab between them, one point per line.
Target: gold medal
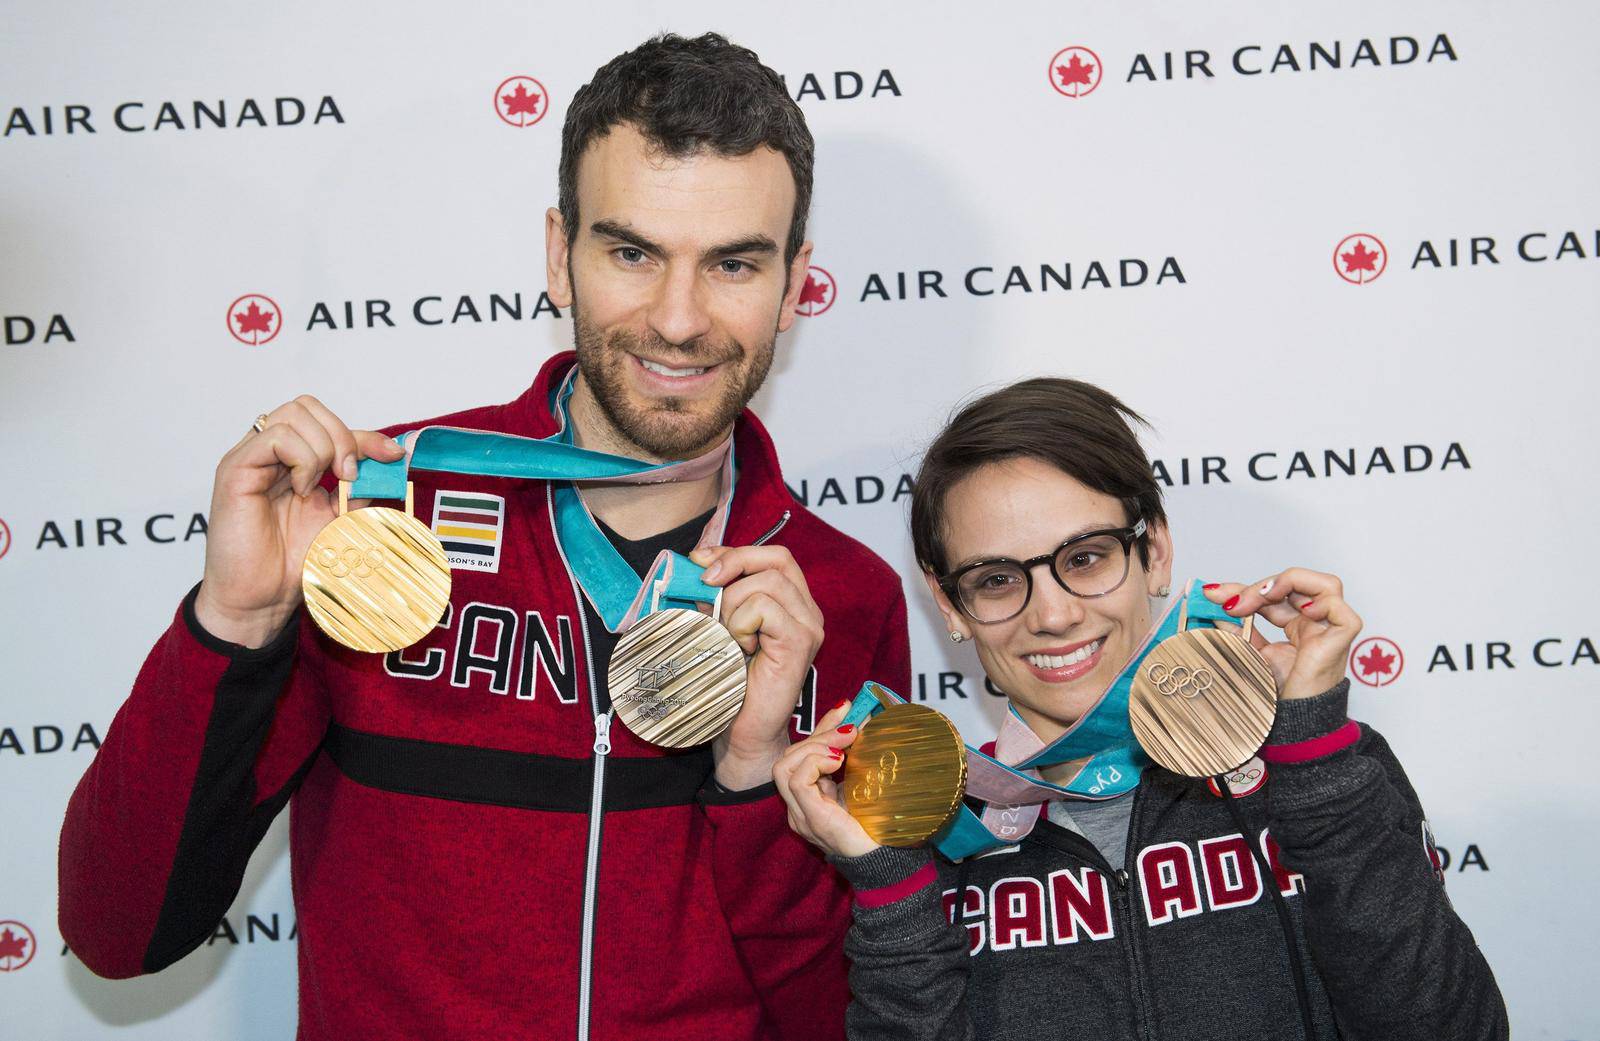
375	579
905	775
1203	701
677	678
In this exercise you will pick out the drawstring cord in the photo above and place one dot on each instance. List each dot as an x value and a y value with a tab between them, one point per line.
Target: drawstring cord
1270	880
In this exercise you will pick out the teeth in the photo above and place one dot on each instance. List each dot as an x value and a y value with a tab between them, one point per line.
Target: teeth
664	371
1059	661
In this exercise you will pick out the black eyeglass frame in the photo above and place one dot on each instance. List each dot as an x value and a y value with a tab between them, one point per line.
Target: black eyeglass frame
950	583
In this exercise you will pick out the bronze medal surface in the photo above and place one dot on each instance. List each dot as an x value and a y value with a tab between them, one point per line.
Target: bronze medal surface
677	678
904	777
376	579
1203	702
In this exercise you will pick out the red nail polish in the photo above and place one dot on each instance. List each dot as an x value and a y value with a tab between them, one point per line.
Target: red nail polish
841	704
1307	604
836	753
1211	585
1229	605
848	728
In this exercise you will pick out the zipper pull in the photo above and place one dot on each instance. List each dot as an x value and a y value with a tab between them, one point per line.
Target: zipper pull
762	541
602	734
1122	878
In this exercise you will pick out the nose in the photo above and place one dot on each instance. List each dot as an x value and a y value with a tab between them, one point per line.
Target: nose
1051	610
679	314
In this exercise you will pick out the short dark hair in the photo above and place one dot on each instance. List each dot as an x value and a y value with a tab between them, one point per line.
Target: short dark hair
1081	430
684	96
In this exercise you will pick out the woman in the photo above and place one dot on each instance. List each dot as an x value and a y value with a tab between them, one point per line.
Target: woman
1166	911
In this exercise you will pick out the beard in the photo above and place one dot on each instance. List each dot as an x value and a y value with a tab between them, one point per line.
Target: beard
670	427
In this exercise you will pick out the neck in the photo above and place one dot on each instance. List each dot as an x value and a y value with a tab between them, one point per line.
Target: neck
1047	730
636	511
1064	773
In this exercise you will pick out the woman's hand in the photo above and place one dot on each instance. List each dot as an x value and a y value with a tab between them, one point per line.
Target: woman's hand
1309	607
802	776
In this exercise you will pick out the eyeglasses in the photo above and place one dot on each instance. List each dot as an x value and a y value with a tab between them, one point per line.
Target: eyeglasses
1087	566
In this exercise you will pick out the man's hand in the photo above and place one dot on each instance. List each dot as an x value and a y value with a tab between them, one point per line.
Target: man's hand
769	611
266	507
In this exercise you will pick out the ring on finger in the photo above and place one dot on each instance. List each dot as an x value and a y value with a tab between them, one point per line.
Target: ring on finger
260	424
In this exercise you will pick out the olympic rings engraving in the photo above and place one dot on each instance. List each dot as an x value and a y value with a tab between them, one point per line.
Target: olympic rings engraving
878	778
350	561
1180	680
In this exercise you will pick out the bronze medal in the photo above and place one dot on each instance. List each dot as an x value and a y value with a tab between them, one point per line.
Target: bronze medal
677	678
904	777
1203	700
375	579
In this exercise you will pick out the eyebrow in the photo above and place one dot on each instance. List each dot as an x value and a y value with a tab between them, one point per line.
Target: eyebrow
750	244
1084	530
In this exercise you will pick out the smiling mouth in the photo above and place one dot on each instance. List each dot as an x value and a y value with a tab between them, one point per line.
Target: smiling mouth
671	373
1061	661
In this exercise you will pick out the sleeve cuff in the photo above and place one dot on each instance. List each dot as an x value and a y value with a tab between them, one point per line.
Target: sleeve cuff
281	646
714	793
1309	719
885	868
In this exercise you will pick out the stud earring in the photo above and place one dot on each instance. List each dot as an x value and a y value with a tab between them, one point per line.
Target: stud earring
956	637
1164	591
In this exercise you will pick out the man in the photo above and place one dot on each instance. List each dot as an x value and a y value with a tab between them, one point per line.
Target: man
476	850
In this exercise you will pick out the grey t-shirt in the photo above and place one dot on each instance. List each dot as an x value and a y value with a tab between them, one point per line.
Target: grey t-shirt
1103	823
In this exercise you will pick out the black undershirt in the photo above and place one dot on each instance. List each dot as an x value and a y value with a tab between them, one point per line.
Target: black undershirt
639	554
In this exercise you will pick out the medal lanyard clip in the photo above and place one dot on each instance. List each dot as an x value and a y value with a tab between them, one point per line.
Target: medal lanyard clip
344	498
1247	626
681	590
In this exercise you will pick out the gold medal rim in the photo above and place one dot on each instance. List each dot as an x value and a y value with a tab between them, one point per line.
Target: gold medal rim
1256	700
410	615
668	730
942	770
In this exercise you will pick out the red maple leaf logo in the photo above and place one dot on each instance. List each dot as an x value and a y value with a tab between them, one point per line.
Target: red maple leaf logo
520	100
1074	71
1375	662
12	945
1360	259
815	291
254	320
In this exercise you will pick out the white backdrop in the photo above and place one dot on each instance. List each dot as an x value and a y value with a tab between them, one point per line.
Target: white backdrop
964	150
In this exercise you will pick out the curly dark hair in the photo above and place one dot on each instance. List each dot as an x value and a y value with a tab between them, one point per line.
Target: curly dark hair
684	96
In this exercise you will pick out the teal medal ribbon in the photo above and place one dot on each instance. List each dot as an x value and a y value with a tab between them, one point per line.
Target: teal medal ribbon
1103	735
610	584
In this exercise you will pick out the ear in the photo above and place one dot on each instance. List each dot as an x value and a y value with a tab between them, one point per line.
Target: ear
1158	572
797	284
556	249
954	620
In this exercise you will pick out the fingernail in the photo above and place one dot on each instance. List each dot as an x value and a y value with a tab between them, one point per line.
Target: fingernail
1307	604
1229	605
347	469
841	704
712	572
835	752
1266	589
1211	585
848	728
392	443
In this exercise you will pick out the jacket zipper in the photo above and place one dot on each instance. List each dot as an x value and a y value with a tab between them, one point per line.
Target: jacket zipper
1141	1008
1123	898
591	870
772	531
602	748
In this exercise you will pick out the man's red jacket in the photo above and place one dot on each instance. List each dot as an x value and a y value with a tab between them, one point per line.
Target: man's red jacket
447	792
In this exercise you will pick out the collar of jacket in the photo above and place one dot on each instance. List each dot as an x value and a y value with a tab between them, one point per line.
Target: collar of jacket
760	498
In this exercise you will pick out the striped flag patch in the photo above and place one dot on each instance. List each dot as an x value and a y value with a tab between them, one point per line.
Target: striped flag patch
470	525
